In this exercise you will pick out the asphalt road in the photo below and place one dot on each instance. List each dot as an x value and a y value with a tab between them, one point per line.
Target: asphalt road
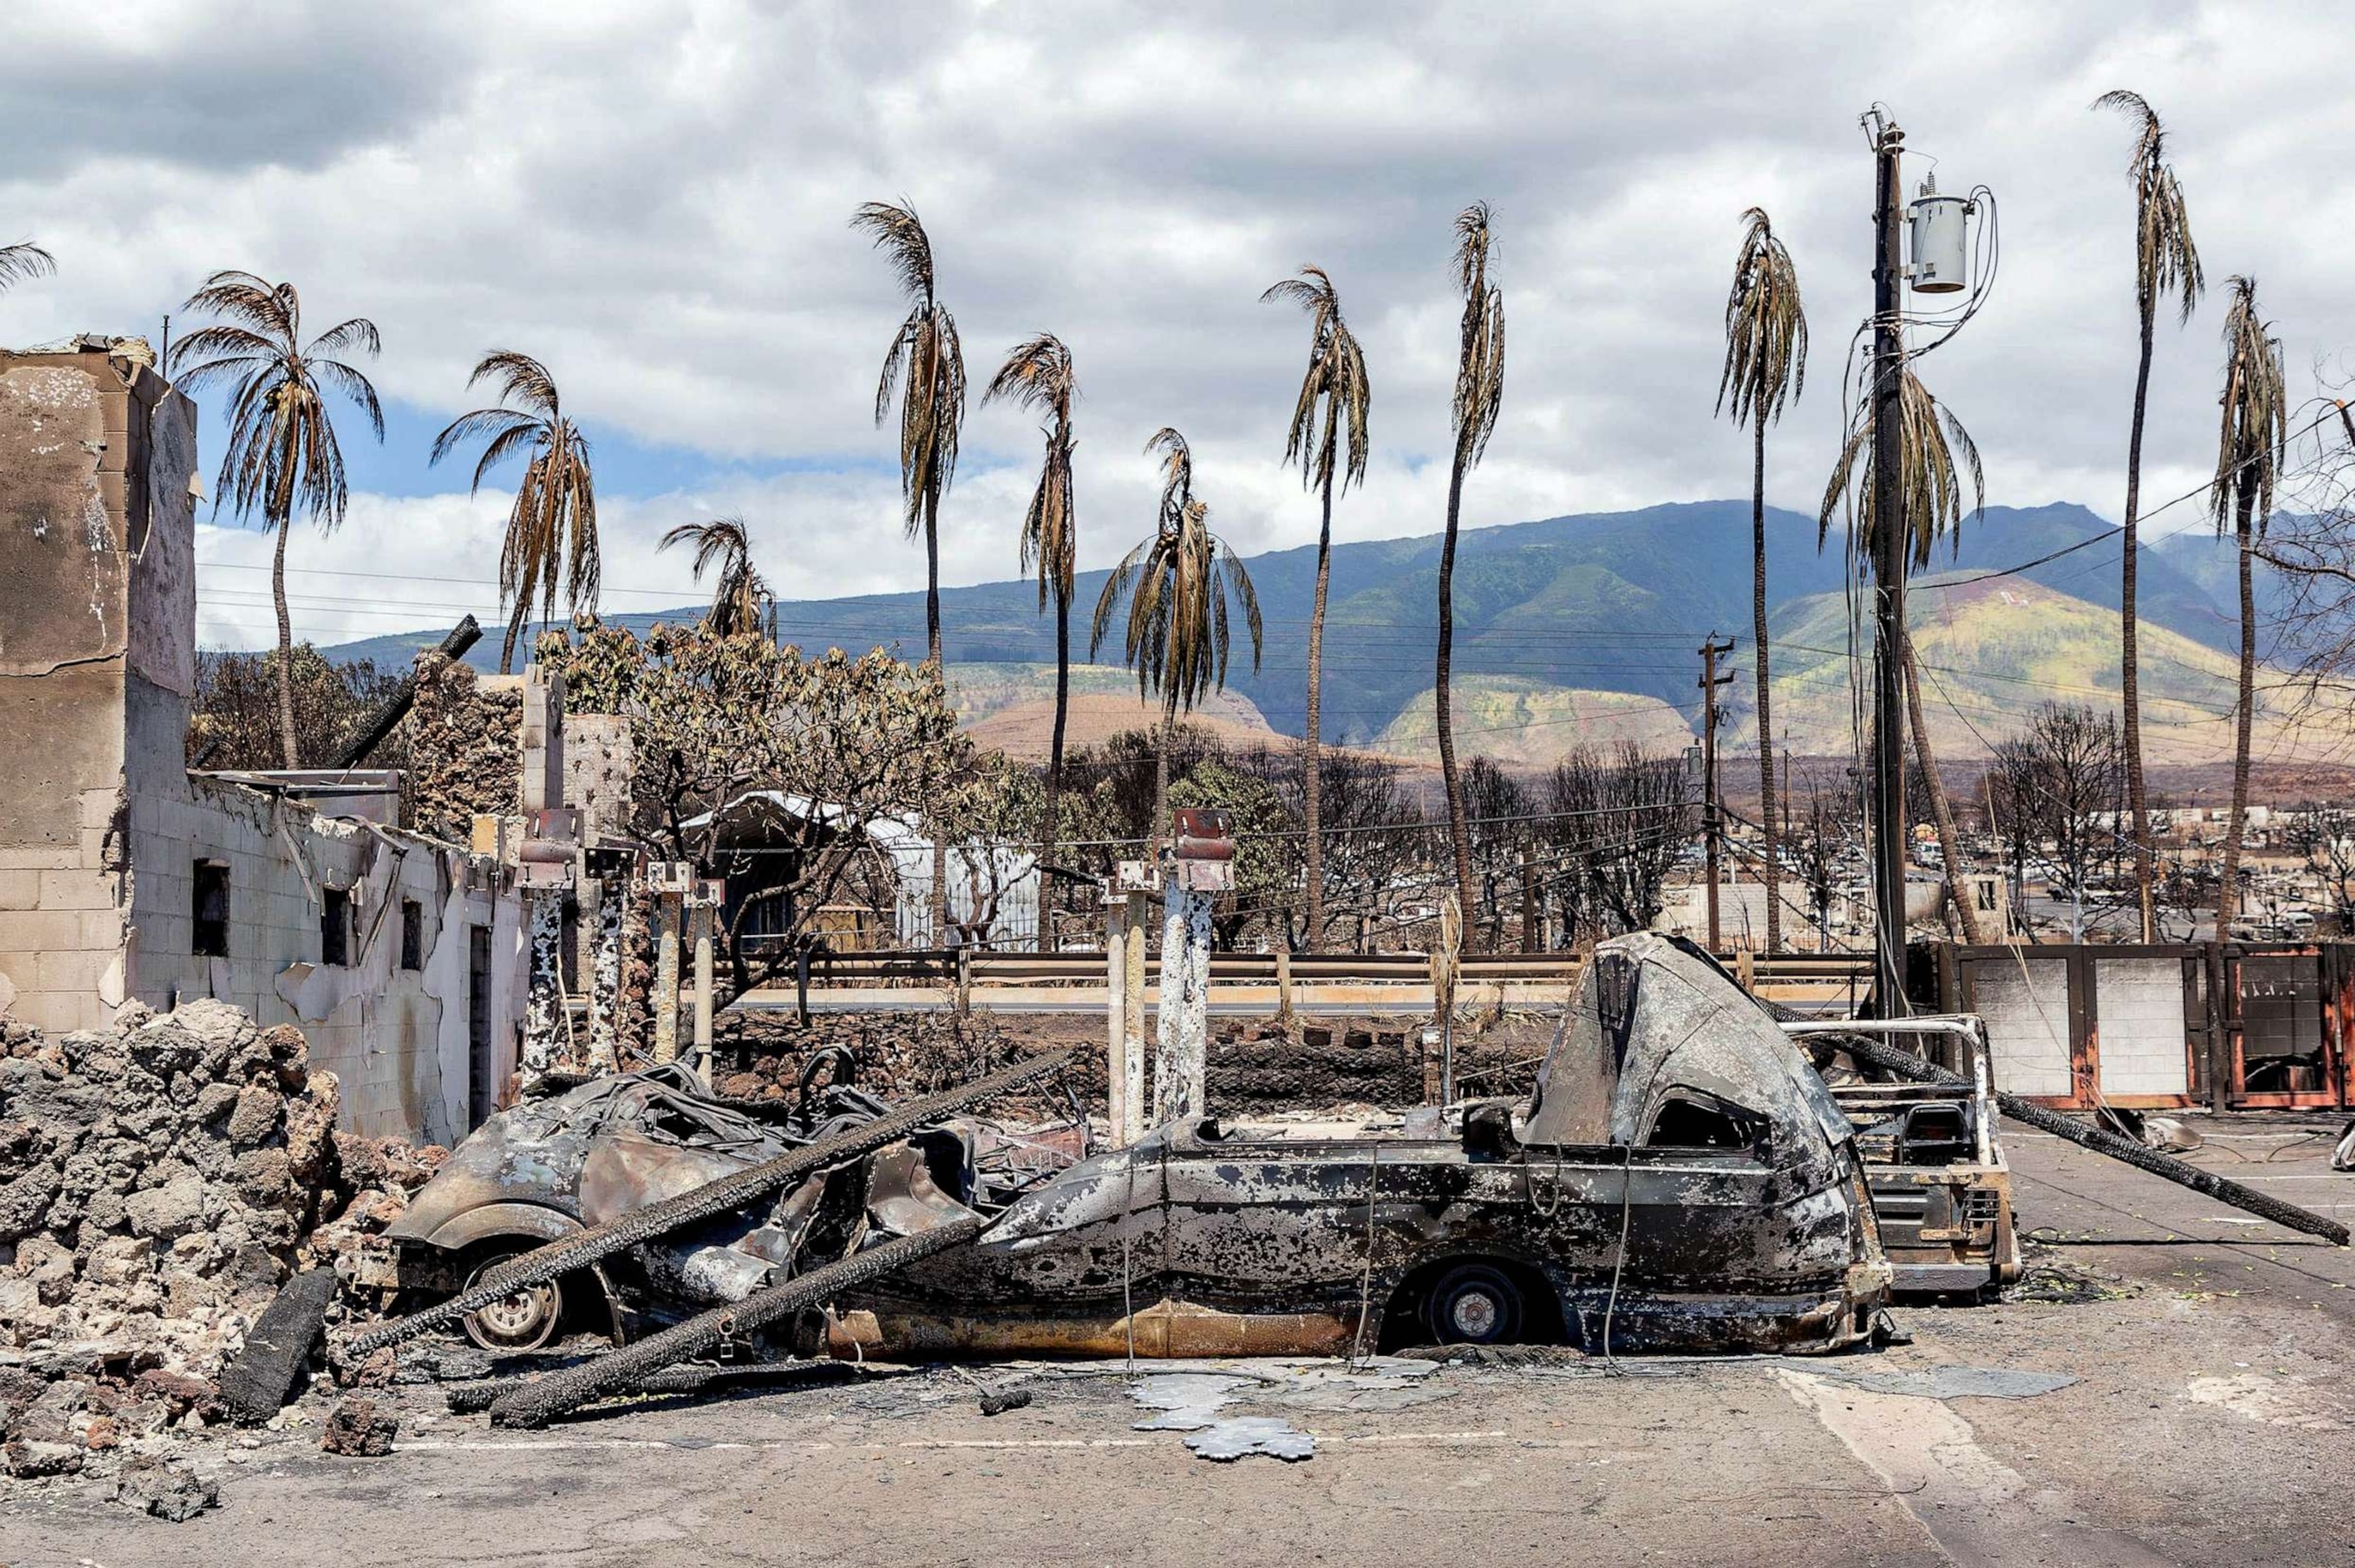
2210	1421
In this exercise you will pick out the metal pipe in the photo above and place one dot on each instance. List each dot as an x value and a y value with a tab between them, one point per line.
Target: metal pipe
394	708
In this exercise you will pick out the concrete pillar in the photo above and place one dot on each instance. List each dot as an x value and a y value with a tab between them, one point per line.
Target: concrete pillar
666	1001
1183	1017
706	915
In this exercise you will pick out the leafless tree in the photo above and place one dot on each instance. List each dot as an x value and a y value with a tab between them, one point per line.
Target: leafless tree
2324	836
2065	778
1616	821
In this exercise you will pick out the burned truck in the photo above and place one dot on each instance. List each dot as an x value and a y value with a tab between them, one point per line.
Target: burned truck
1679	1179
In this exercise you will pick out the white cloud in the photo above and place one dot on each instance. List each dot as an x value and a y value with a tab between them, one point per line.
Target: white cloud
652	198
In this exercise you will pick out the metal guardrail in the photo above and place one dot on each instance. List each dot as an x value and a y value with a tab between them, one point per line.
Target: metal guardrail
943	967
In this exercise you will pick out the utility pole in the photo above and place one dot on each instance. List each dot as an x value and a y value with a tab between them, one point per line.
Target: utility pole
1888	577
1712	825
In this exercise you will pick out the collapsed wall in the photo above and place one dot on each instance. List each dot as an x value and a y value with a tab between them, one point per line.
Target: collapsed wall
465	756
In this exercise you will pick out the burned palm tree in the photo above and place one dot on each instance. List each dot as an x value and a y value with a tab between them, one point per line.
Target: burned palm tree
1479	394
1177	636
2166	262
282	457
741	600
2249	449
1765	364
1038	376
551	536
23	261
925	367
1936	458
1328	439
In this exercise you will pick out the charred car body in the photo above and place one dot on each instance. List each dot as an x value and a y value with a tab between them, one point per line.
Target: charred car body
1679	1180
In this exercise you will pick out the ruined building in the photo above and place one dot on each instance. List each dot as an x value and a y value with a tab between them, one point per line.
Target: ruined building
124	876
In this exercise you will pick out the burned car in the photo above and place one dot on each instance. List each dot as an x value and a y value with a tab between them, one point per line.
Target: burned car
1679	1180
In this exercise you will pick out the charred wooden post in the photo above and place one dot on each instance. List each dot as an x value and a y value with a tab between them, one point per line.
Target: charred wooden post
394	708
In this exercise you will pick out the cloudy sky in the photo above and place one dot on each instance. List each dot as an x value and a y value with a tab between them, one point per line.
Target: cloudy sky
652	198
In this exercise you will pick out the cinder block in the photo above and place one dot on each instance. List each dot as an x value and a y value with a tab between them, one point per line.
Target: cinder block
71	972
100	930
20	889
76	890
40	931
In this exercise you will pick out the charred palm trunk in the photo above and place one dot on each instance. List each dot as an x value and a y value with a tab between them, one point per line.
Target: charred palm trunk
1314	784
1055	762
1158	829
933	656
515	634
286	643
1766	824
1949	846
2228	889
2130	673
1458	831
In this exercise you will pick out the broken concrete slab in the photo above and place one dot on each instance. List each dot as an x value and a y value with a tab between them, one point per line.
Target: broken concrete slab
1242	1436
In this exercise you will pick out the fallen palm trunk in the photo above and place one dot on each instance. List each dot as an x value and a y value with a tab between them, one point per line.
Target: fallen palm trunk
2288	1215
540	1401
473	1398
732	1191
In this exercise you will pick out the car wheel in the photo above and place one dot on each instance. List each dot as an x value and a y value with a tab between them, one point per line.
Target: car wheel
1474	1304
523	1321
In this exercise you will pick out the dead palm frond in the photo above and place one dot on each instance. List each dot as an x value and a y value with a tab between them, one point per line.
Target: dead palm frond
1038	376
1480	364
1765	327
2255	403
1327	433
281	456
1177	639
551	532
1935	458
741	600
2165	259
23	261
925	367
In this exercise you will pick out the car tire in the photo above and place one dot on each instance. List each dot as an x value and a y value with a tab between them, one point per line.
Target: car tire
526	1320
1474	1304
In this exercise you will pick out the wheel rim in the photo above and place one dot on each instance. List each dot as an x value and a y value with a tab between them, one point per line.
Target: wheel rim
522	1320
1474	1314
1475	1304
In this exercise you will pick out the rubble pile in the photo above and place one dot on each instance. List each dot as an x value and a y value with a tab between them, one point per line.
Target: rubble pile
462	746
156	1180
160	1180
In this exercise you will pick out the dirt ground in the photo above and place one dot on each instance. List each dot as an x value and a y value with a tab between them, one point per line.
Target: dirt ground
2211	1420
